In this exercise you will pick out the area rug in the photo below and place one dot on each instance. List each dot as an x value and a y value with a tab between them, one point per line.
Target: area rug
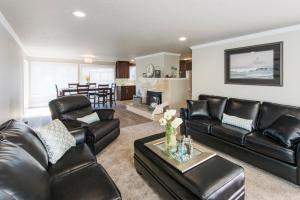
117	159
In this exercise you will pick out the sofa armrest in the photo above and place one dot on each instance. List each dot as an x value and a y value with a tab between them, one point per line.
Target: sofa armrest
105	114
79	135
73	124
184	117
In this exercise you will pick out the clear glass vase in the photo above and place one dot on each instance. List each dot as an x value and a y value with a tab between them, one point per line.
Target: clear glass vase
170	140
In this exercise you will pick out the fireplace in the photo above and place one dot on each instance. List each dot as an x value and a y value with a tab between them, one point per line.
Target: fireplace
153	97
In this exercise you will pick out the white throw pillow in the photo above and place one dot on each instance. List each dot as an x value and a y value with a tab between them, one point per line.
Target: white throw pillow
57	139
89	118
238	122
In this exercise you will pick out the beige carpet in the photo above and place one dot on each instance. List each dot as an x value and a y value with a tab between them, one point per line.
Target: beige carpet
117	159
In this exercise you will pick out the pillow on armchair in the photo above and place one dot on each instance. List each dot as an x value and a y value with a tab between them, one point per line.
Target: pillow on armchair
285	130
89	118
197	109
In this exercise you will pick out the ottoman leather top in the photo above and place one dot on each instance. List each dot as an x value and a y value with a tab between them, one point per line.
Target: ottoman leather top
208	180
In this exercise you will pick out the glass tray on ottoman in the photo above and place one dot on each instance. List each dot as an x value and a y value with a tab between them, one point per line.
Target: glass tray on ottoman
200	155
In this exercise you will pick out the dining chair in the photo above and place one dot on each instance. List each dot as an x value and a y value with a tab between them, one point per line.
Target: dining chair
92	94
58	92
83	90
102	93
73	85
113	93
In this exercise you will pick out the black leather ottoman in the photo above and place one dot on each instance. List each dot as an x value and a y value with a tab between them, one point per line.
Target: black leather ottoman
216	178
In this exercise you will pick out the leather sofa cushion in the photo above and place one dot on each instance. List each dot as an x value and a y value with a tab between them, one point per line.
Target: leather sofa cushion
22	135
74	159
91	182
70	103
285	130
216	105
21	175
245	109
201	125
102	128
260	143
197	109
230	133
270	112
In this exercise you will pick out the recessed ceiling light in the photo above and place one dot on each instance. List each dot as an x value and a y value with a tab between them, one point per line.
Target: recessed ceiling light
79	14
182	39
132	60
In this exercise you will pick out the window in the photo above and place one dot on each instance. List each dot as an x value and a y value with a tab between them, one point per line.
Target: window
100	74
132	73
44	75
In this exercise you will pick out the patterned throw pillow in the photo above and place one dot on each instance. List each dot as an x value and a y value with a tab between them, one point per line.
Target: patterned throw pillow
238	122
56	139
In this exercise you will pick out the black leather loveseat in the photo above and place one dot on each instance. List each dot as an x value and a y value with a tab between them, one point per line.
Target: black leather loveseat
25	172
98	134
251	146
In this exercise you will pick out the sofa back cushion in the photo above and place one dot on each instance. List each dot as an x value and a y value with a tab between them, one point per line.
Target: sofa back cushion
285	130
70	107
270	112
216	105
245	109
197	109
21	176
23	136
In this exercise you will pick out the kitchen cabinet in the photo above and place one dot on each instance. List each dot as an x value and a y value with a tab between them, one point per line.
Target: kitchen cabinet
185	65
125	92
122	69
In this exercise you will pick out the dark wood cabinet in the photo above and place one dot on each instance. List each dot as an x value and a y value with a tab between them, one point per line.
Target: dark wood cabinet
125	92
122	69
185	65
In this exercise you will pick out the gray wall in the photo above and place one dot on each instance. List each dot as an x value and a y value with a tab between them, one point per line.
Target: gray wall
11	78
208	71
160	61
141	66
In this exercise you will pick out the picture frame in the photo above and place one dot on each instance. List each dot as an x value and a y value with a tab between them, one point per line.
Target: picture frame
255	65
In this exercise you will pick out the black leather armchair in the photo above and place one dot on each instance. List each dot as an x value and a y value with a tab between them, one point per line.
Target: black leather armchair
25	172
97	134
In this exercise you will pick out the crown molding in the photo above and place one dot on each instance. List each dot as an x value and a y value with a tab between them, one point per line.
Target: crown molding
12	32
158	54
249	36
78	60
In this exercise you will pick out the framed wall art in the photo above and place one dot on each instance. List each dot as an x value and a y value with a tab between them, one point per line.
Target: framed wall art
255	65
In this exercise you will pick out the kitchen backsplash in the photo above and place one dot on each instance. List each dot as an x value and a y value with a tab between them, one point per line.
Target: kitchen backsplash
123	81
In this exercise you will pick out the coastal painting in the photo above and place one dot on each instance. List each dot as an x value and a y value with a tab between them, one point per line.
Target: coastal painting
252	65
255	65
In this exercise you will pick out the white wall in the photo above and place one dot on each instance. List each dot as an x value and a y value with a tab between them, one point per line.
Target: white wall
208	71
11	77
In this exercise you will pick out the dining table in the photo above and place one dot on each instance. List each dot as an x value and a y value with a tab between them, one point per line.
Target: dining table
65	91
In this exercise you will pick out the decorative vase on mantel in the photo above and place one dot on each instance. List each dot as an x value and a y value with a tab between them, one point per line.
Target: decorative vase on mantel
171	123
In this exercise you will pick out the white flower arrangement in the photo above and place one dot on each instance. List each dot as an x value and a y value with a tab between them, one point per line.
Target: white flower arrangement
169	119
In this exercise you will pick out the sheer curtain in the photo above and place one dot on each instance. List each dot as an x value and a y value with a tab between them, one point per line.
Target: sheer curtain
44	76
100	74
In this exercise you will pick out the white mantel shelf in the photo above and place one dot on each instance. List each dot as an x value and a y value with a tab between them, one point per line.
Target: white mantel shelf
171	79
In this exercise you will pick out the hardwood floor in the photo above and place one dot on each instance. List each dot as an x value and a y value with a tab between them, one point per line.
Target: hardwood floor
41	116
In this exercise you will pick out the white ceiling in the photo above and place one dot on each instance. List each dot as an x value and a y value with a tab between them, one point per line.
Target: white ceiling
124	29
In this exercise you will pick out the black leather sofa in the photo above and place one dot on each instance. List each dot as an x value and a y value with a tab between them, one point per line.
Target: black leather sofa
25	172
250	146
98	134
